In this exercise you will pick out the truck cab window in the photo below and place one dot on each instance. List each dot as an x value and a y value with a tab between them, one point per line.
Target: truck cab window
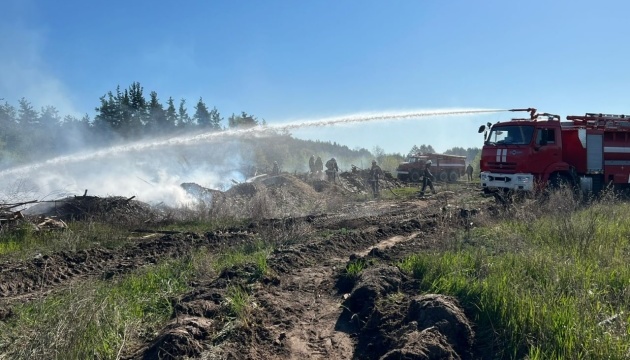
546	137
510	135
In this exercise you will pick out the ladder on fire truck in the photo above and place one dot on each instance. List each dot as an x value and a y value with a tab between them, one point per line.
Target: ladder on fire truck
602	121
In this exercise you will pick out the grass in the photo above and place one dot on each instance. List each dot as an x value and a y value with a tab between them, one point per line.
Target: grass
25	240
94	320
548	280
354	268
548	295
406	192
239	303
255	254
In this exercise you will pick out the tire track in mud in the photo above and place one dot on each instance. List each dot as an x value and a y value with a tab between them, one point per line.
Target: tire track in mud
31	279
26	280
297	309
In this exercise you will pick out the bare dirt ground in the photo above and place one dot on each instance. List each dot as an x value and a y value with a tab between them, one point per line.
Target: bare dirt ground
306	306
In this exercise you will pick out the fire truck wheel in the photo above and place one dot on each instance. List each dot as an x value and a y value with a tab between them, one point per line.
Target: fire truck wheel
415	176
443	176
453	176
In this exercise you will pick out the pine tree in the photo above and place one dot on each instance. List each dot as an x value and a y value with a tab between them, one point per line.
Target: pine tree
215	119
107	121
138	111
414	150
46	129
171	114
27	116
184	119
426	149
157	116
49	116
123	107
202	115
8	123
243	121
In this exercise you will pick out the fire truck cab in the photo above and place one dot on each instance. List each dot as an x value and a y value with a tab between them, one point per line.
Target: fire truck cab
525	154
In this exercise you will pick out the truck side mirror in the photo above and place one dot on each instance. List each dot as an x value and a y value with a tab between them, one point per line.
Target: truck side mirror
481	129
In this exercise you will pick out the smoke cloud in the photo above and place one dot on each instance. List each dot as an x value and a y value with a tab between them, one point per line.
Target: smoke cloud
154	170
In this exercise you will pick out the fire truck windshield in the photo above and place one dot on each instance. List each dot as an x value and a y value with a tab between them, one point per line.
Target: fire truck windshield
510	134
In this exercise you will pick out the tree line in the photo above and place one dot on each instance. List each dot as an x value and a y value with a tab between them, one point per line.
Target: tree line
122	115
128	115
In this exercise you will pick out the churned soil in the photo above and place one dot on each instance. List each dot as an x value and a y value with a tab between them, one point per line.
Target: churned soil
306	305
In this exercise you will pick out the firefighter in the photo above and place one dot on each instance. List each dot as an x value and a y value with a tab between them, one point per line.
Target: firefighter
311	164
427	178
375	175
276	169
319	165
332	169
469	172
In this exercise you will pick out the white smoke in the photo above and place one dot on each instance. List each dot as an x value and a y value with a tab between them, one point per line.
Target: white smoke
153	175
154	170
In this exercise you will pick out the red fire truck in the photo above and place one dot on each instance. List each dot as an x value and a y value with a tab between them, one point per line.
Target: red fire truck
444	167
590	151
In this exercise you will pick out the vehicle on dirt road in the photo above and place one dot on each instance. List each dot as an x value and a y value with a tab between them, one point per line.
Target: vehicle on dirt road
446	168
588	151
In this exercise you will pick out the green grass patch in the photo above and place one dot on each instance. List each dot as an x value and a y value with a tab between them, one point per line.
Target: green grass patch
354	268
95	320
239	303
25	241
9	246
255	254
406	192
550	295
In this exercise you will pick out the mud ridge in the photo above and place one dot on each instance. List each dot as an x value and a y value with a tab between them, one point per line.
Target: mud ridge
297	308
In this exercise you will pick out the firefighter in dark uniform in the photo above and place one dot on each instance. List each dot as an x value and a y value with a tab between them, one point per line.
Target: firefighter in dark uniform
332	169
469	172
376	173
311	164
319	165
427	178
276	169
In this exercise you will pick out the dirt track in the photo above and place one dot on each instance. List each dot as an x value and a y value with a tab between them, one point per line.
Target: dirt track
305	307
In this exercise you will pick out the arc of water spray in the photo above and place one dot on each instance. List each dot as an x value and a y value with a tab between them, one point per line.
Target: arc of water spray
194	139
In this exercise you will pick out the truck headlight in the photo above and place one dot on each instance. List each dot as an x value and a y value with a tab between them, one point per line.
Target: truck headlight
484	177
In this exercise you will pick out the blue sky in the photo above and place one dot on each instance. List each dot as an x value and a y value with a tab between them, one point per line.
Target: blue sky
291	60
